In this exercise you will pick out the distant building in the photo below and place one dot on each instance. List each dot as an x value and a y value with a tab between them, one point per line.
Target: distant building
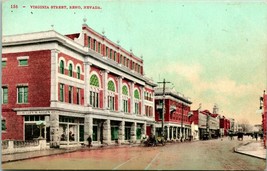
176	118
224	126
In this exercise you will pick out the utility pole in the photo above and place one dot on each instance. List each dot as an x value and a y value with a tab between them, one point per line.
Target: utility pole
163	106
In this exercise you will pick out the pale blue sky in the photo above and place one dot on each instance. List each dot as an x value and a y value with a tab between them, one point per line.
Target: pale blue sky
213	52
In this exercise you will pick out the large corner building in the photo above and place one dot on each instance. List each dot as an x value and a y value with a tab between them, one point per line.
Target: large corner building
78	85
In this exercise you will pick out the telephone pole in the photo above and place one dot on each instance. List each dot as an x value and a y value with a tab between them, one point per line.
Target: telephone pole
163	106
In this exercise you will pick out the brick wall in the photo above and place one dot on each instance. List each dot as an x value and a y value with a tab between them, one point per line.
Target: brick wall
37	76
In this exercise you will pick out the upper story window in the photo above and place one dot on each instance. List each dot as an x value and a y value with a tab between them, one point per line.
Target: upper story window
124	61
107	51
70	94
61	92
125	98
94	91
110	54
99	47
121	58
89	41
78	72
70	70
136	94
3	125
4	95
136	104
61	67
125	90
22	94
23	60
94	81
3	64
78	95
94	44
111	95
115	56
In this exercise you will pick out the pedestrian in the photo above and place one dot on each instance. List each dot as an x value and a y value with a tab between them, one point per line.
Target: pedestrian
89	139
256	136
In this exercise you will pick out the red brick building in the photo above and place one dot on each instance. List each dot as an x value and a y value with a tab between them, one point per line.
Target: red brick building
176	117
78	85
224	125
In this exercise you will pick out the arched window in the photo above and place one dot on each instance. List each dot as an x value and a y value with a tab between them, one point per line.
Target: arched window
124	90
111	95
62	67
136	94
94	81
111	86
78	72
94	92
136	103
125	98
70	70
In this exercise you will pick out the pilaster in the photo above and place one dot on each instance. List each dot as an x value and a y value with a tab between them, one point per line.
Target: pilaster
122	132
132	97
106	132
142	101
120	106
133	131
87	69
54	78
88	127
54	128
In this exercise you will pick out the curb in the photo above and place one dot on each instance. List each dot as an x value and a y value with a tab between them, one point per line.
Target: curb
236	151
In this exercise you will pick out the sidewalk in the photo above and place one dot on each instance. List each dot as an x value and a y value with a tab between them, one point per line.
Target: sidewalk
254	149
53	151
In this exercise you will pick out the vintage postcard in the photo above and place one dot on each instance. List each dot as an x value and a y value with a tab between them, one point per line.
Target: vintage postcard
134	85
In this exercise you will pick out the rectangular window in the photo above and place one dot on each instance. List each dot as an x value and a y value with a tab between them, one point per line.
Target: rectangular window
23	62
61	89
110	54
94	98
111	103
3	125
107	51
89	42
70	94
78	96
114	132
127	132
125	106
136	109
121	59
99	47
4	95
3	64
94	45
115	56
23	94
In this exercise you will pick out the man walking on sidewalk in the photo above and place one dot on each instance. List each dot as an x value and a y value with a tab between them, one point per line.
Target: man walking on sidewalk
89	139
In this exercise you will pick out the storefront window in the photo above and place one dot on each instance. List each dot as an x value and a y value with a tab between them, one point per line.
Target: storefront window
138	133
127	133
114	133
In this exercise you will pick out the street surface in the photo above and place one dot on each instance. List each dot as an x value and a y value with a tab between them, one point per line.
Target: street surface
199	155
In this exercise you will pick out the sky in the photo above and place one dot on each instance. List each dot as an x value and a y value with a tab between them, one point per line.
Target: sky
210	51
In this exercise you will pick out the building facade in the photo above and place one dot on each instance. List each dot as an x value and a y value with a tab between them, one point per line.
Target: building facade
78	85
208	124
176	121
224	126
